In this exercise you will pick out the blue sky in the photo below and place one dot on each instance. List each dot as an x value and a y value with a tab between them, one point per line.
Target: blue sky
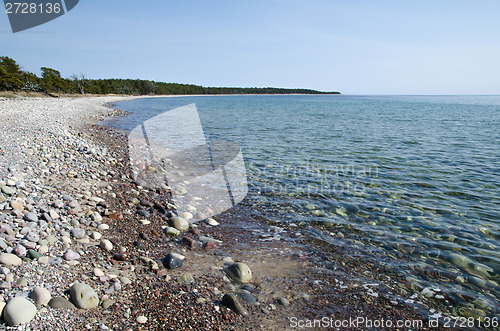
356	47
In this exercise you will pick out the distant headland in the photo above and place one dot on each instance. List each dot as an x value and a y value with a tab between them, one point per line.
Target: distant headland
12	78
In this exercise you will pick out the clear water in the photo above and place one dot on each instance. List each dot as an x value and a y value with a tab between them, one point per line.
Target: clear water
410	182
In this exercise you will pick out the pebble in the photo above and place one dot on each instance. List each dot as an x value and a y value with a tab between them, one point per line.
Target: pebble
83	296
61	303
171	231
98	272
78	233
30	217
96	217
239	272
106	245
71	255
143	213
103	227
187	215
19	310
210	221
95	235
179	223
108	303
8	190
20	250
185	279
230	301
16	205
171	262
41	296
141	319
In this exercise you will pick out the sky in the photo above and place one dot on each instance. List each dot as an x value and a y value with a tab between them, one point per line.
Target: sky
355	46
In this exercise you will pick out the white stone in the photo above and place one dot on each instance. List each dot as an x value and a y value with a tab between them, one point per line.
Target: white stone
103	227
98	272
96	235
83	296
141	319
10	259
106	244
187	215
19	310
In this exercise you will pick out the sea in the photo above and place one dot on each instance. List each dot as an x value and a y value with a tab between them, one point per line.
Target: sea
409	183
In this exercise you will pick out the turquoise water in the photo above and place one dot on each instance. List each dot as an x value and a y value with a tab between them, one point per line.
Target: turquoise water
410	182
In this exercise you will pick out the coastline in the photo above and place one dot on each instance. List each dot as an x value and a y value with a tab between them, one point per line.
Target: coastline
88	162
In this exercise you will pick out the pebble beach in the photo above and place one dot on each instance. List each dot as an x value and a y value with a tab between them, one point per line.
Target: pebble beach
84	246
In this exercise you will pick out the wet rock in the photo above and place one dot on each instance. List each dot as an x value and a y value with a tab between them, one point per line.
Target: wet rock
19	310
179	223
239	272
190	242
171	231
83	296
171	262
246	296
230	301
146	203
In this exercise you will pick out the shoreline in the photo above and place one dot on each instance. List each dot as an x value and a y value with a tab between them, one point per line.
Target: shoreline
292	277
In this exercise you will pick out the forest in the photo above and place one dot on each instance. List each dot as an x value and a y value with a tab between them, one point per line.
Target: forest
13	78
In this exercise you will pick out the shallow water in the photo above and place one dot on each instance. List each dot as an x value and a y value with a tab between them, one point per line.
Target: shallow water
411	182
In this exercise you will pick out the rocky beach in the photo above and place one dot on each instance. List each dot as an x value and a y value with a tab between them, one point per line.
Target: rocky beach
84	246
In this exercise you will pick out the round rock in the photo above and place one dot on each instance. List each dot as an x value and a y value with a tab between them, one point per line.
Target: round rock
19	310
41	296
83	296
239	272
179	223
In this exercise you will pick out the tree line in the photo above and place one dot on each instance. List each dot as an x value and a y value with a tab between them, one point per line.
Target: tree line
12	78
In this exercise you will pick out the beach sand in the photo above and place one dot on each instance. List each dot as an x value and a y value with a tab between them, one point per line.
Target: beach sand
66	188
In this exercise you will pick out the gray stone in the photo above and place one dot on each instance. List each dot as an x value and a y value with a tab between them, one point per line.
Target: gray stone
19	310
83	296
78	233
61	303
30	217
239	272
143	213
33	236
230	301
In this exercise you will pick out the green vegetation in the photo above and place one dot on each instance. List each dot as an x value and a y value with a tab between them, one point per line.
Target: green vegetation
12	78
